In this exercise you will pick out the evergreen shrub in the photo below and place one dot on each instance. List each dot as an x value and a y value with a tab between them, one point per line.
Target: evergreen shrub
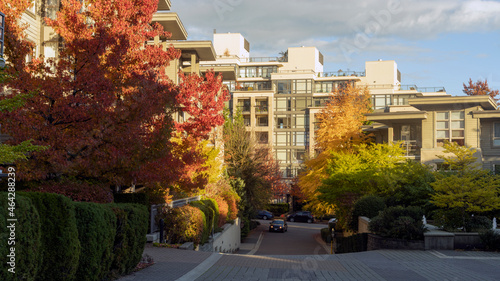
399	222
131	229
27	239
96	231
60	247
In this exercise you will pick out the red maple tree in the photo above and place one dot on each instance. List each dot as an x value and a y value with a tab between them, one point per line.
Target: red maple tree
105	106
480	88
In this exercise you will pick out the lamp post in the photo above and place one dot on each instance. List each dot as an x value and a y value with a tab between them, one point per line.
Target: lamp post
2	32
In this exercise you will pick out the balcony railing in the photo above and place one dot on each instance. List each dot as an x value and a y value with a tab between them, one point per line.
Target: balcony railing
243	108
261	108
422	89
268	59
341	73
410	148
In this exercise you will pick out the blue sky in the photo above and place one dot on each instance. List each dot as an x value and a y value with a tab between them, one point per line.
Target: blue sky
434	43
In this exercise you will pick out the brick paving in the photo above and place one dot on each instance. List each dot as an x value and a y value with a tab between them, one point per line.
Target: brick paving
173	264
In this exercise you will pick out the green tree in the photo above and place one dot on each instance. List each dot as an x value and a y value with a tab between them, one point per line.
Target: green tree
340	129
366	170
466	188
252	163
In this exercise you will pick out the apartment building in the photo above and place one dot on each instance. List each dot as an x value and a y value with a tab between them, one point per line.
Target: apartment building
280	96
425	123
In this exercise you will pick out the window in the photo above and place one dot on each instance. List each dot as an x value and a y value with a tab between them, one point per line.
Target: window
450	126
281	138
51	8
282	121
381	101
496	134
246	120
285	87
262	137
244	105
299	138
262	121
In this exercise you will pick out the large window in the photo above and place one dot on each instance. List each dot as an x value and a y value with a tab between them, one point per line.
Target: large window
450	125
258	71
496	134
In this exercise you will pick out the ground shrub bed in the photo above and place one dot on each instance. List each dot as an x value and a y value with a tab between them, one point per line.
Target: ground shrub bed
368	206
27	239
399	222
138	198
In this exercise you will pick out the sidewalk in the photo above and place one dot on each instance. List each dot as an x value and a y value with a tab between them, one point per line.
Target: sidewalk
173	264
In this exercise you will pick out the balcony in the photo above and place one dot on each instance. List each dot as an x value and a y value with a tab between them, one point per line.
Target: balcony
261	109
243	108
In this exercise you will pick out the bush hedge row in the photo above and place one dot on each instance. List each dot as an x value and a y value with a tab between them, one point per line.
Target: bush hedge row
28	258
58	239
351	244
399	222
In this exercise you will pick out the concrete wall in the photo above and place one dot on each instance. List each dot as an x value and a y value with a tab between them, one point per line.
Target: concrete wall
229	240
363	223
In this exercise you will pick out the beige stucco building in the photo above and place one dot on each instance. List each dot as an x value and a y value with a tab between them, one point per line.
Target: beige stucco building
280	96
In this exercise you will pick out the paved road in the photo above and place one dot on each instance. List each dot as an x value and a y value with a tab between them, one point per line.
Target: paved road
390	265
300	239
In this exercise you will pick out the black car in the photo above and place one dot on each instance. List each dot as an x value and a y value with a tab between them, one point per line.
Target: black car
263	214
278	225
303	216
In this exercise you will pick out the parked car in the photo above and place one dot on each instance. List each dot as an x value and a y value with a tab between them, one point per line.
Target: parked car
303	216
265	215
278	225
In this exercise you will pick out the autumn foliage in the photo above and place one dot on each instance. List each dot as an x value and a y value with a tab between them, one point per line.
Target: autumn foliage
480	88
105	107
340	129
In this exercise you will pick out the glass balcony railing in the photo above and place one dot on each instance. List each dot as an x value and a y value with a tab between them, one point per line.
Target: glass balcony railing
341	73
261	109
422	89
268	59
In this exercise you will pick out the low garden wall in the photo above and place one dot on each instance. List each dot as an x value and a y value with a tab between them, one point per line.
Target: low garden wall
229	240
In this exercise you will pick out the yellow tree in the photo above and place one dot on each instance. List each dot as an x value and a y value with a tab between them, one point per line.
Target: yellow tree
340	129
466	188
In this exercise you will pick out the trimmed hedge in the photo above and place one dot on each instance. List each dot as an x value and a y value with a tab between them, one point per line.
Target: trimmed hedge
213	204
278	208
60	247
137	198
96	230
27	240
130	239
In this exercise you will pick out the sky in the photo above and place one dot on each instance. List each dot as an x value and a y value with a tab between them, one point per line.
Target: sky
434	43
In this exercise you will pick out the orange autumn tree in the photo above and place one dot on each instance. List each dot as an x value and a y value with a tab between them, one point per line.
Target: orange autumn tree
105	107
480	88
339	130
